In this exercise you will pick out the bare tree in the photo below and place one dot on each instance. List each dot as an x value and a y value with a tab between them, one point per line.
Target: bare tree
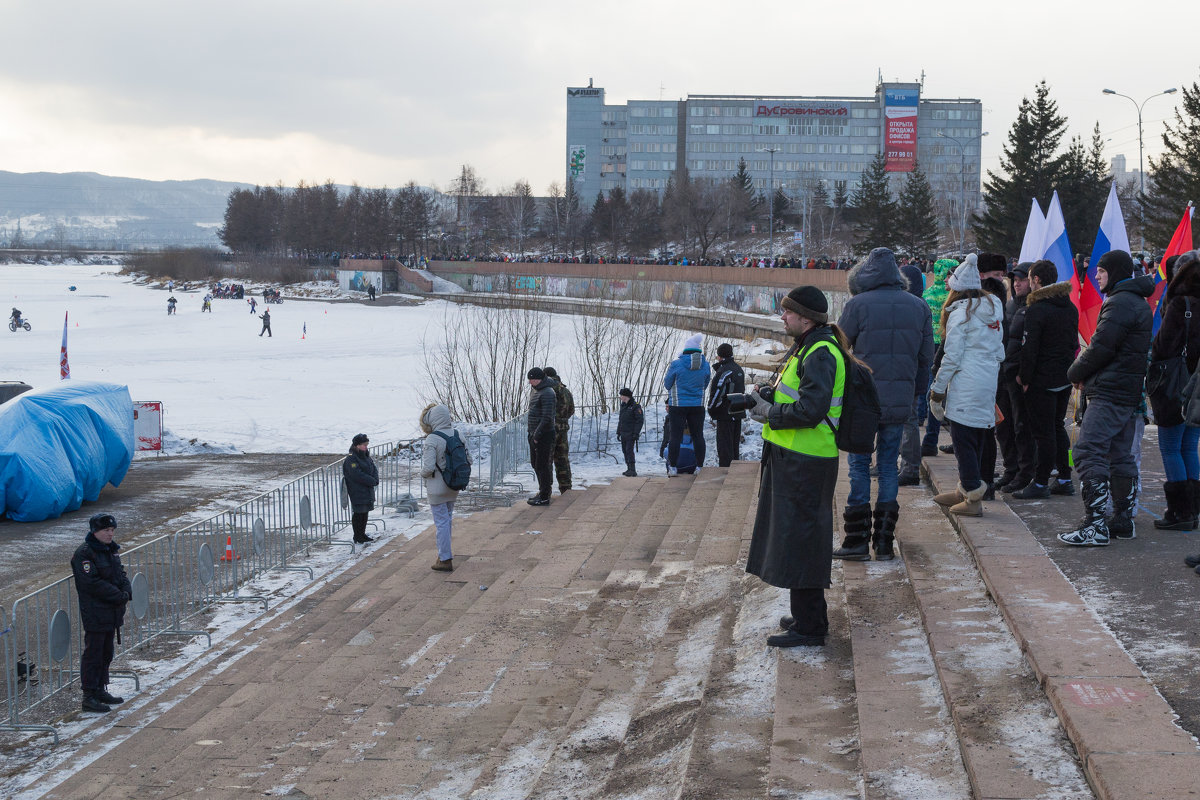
466	189
519	213
698	209
478	367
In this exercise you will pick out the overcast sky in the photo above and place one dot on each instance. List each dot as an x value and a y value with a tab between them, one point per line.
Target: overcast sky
384	91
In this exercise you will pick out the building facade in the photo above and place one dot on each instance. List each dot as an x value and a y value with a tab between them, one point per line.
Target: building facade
792	141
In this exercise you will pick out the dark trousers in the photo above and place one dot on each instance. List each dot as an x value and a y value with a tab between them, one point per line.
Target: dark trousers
266	329
1017	446
969	444
1104	446
694	417
1047	412
93	664
628	444
358	523
540	453
809	611
729	440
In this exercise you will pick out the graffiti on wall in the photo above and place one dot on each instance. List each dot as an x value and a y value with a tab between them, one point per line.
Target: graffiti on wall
735	297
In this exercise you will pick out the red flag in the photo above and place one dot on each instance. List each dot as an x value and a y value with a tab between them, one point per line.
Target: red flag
64	368
1181	242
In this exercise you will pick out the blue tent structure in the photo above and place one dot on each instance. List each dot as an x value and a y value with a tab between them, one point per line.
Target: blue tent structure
61	446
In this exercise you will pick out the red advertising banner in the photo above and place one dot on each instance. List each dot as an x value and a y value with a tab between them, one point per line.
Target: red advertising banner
900	137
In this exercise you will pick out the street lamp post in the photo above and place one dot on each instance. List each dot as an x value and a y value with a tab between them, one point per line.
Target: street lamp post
962	193
771	203
1141	169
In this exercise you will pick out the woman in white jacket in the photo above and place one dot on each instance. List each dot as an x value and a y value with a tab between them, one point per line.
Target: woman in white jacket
435	419
964	390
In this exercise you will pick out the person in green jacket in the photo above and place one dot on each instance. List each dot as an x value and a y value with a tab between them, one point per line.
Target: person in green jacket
935	295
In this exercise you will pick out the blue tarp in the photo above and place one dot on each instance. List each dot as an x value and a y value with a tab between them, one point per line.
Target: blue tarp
61	446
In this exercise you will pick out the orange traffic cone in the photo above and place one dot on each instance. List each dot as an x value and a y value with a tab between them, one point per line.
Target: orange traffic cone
229	554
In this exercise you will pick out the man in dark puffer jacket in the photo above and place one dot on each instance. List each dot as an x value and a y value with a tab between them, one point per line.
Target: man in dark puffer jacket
540	423
892	331
1050	341
1111	372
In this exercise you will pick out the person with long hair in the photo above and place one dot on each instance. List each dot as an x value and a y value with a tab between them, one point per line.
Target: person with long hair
964	389
1178	442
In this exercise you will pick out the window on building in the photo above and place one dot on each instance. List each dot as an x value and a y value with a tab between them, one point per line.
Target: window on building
695	111
695	130
638	165
763	129
954	113
745	111
608	150
634	147
937	113
713	130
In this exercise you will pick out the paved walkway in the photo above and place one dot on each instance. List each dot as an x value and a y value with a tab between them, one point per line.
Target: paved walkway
611	646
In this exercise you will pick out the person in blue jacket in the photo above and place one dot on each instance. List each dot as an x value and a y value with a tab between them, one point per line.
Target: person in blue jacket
685	382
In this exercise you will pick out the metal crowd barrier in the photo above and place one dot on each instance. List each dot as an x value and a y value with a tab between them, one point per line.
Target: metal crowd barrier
177	577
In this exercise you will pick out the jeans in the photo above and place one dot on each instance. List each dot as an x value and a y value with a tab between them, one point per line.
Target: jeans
1047	411
969	444
694	417
1178	444
887	448
910	442
443	513
1104	446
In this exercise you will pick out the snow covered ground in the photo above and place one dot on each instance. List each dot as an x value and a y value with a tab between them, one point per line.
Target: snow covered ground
332	368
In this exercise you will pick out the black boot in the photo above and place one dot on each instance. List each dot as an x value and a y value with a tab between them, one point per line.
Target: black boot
886	516
1124	493
1179	515
92	703
104	697
856	522
1194	494
1093	530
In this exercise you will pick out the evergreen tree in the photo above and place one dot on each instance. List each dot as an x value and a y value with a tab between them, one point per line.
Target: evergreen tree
573	217
875	209
916	220
746	205
1029	168
1176	173
1083	189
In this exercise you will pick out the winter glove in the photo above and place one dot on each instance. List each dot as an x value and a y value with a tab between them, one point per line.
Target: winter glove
937	405
761	407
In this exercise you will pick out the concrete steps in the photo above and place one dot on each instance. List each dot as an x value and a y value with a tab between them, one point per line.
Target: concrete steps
617	651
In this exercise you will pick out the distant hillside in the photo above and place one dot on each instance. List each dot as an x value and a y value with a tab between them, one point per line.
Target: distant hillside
85	209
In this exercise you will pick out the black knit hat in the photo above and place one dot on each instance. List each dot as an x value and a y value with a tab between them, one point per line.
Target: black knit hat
725	350
551	372
1118	264
536	374
359	438
808	301
626	393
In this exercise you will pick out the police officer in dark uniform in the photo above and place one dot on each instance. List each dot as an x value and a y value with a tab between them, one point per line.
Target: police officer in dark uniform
103	591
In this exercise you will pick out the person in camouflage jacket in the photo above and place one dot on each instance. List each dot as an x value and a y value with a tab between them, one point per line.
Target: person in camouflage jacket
564	409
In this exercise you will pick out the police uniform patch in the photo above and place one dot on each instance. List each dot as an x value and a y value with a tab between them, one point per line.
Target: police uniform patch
87	566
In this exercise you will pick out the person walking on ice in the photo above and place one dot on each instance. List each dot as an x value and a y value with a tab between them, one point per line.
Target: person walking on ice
266	318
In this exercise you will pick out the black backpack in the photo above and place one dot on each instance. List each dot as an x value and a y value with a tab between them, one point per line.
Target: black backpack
859	422
457	473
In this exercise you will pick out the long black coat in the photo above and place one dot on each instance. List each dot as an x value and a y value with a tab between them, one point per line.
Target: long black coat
1050	337
792	543
1113	367
101	584
1014	326
361	479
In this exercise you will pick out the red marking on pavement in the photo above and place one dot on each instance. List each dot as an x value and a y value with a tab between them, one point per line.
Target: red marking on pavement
1096	695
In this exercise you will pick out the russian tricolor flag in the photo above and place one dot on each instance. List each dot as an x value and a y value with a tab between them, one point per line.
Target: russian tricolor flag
1055	247
1181	242
1112	236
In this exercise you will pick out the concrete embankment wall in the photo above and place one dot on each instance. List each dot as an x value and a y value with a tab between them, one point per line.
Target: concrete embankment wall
740	302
